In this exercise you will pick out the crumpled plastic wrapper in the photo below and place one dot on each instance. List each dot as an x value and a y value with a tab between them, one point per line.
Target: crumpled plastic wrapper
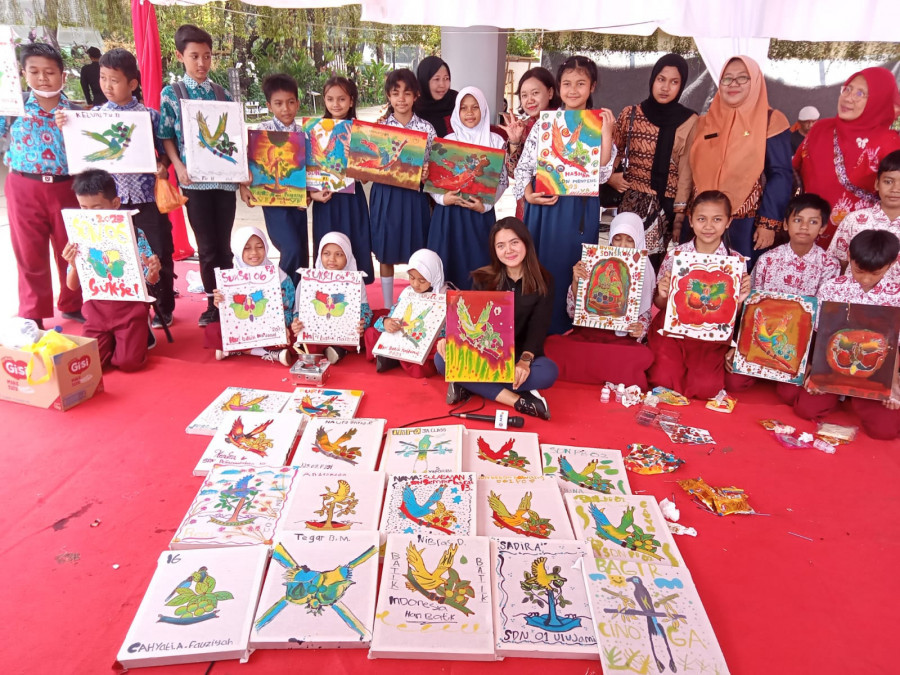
675	528
722	402
723	501
669	397
835	434
777	426
649	460
632	396
669	510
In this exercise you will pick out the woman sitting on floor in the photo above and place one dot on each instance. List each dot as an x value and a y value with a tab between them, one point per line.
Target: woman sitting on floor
515	267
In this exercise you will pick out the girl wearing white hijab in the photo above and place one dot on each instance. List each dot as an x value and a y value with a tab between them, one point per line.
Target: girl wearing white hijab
336	253
596	355
426	275
461	222
251	249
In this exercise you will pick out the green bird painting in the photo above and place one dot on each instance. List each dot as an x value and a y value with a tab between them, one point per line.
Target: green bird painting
421	450
116	140
196	604
317	590
218	142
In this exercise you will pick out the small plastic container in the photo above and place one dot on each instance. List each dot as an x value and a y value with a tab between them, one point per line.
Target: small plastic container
604	395
620	393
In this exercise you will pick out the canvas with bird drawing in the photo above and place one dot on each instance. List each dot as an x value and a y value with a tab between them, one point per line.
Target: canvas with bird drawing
252	314
527	507
429	504
465	169
541	608
774	336
236	506
325	403
856	350
501	453
334	500
421	317
329	305
327	143
480	336
610	298
215	146
198	607
118	141
352	444
319	592
568	161
386	154
277	161
703	295
236	399
579	469
251	439
624	527
434	600
649	618
423	450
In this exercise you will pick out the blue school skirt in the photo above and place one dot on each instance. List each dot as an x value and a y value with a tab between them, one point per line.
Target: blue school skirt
400	219
461	238
558	232
347	214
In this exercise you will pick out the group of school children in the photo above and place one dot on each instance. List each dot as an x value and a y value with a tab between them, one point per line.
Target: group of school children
455	241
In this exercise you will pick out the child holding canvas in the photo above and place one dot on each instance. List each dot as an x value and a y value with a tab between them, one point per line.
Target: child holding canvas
120	82
426	275
695	368
210	206
400	217
592	355
872	279
37	187
559	225
286	225
340	211
121	327
460	224
250	249
336	253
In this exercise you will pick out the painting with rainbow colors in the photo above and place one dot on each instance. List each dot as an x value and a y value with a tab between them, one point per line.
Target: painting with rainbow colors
386	154
277	168
480	336
569	152
327	143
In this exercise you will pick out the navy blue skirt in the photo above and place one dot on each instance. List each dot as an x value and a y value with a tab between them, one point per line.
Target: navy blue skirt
461	237
558	232
400	219
347	214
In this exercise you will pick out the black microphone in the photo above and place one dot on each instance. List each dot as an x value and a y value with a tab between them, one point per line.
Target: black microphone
501	420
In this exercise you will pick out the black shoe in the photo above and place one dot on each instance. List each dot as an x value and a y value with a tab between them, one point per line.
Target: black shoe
74	316
161	320
151	340
211	315
335	354
383	364
456	393
532	403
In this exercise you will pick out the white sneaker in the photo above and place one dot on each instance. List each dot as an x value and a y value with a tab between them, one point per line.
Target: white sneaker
222	354
282	356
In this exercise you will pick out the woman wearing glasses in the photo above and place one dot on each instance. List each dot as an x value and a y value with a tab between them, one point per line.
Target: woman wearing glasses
742	147
839	158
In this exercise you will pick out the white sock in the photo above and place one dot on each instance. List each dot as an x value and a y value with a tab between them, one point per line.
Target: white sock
387	291
258	351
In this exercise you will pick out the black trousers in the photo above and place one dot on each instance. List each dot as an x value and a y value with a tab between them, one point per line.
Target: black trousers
211	214
158	229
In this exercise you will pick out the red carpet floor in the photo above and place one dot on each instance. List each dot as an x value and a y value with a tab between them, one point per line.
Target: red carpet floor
96	493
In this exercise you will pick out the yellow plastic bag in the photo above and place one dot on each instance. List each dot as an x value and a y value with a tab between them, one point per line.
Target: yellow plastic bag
168	198
50	344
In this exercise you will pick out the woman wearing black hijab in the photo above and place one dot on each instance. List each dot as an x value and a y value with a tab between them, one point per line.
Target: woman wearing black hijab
657	174
437	99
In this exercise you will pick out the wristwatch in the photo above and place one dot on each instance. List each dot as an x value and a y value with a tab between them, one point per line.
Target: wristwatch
527	358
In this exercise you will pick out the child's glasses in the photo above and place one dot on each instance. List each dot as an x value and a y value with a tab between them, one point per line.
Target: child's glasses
740	80
858	94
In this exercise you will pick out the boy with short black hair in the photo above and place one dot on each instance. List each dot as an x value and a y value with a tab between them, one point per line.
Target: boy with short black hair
211	206
870	280
885	215
37	187
800	266
286	225
121	327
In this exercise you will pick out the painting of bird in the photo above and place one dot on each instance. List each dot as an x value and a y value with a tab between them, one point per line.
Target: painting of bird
413	328
329	305
237	403
654	627
429	579
413	509
384	158
462	176
337	449
505	456
115	140
107	264
775	342
249	306
317	590
216	142
324	408
340	494
199	575
541	578
568	152
479	334
254	441
525	520
587	478
421	449
857	358
706	298
605	529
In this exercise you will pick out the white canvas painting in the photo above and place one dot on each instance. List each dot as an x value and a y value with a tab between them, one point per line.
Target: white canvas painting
325	403
251	439
198	607
252	314
434	601
580	469
429	504
332	501
523	506
11	100
354	444
421	317
423	450
215	142
329	305
319	592
117	141
541	607
501	453
108	263
236	506
236	399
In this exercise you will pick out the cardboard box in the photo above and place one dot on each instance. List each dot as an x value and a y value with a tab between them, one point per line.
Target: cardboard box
76	377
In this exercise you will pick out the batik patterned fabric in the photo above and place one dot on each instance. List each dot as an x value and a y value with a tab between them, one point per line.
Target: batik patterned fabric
35	142
687	248
783	271
865	219
847	289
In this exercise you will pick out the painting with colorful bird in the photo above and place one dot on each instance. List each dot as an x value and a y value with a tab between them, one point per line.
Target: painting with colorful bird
115	140
569	152
107	264
329	304
386	154
440	583
503	456
524	520
464	169
327	142
480	336
195	599
249	305
339	448
254	441
215	141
